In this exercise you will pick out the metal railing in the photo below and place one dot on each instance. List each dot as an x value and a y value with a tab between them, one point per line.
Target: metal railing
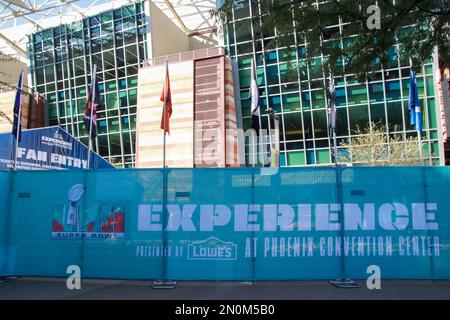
185	56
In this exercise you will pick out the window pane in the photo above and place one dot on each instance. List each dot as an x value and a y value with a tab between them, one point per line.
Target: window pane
291	102
359	117
114	145
296	158
377	113
243	30
293	126
320	124
393	90
395	116
376	92
103	145
357	94
341	122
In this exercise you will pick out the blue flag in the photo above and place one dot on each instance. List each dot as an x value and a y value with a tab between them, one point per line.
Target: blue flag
17	124
415	113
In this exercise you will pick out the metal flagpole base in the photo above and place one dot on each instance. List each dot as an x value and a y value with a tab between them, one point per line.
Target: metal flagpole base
164	284
345	283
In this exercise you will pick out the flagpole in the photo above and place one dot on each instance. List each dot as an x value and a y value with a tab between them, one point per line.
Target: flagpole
19	122
419	136
258	134
332	106
93	79
165	112
165	213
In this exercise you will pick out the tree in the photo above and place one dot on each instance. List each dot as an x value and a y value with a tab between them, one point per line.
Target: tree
369	35
370	148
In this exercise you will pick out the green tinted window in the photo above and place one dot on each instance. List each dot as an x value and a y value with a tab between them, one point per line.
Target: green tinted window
393	90
296	158
291	102
318	99
432	113
429	86
359	118
293	126
376	92
323	156
243	30
357	94
395	117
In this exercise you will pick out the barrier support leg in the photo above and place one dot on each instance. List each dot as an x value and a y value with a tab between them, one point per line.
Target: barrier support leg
164	283
342	282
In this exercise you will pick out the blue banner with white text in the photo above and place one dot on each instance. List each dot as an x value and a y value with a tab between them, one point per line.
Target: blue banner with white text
47	148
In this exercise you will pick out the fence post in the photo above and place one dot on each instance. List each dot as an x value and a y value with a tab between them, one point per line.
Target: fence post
343	281
425	195
86	203
164	283
253	231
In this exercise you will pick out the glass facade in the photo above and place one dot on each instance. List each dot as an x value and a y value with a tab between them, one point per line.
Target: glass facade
60	65
296	93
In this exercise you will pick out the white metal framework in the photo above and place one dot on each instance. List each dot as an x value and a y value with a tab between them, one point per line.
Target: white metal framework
19	18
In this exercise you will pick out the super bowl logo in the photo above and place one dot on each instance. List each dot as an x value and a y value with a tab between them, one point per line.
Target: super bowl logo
212	249
58	135
75	220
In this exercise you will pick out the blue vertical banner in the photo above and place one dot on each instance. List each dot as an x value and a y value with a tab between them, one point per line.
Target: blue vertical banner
415	112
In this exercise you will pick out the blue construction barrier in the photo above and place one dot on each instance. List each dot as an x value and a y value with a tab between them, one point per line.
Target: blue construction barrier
5	185
228	224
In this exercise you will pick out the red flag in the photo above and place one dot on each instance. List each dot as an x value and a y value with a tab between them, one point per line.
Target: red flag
168	100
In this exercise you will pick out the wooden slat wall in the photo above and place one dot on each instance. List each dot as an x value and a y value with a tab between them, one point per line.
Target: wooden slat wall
208	115
232	156
149	136
6	110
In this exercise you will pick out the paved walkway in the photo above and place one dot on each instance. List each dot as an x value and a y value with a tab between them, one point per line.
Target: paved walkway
55	288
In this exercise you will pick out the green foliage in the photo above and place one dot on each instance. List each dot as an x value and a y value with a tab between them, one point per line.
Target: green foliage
415	27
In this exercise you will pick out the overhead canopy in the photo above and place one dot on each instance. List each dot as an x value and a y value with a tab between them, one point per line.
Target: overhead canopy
19	18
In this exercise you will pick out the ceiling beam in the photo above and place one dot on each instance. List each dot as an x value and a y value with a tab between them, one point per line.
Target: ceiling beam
17	14
177	17
44	7
13	45
74	8
19	3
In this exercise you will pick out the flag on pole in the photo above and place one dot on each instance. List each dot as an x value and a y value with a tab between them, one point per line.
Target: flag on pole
254	95
17	124
415	113
94	101
167	98
332	102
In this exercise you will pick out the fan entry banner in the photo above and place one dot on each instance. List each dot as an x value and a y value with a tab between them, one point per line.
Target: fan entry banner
48	148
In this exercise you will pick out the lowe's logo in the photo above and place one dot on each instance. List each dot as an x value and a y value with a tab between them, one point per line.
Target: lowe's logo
212	249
